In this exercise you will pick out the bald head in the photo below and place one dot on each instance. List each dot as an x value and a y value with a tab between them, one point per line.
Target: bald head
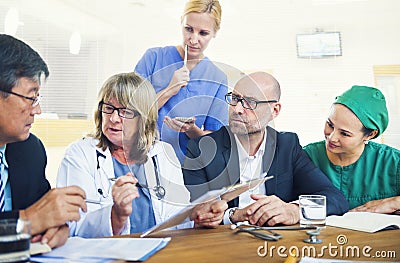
261	84
260	90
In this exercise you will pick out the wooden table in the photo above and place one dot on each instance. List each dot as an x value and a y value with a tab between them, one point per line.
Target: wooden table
223	245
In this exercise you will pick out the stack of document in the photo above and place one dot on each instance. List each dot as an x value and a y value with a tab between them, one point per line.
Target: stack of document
79	249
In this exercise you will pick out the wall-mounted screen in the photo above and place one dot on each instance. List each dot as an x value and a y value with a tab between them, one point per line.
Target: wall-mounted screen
319	45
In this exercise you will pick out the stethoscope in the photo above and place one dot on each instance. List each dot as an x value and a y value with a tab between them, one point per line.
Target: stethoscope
158	189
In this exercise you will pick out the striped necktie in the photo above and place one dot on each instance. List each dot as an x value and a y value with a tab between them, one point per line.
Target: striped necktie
2	184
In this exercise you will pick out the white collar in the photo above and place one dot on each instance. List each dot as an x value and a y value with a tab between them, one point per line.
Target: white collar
243	154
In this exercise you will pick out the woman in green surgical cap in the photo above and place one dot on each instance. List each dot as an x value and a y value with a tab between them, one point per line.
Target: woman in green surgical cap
367	173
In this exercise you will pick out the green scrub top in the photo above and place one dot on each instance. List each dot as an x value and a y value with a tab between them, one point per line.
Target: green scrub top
375	175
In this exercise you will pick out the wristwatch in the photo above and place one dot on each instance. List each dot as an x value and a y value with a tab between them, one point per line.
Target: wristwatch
231	212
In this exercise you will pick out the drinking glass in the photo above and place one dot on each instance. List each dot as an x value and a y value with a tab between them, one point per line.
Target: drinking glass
14	240
312	210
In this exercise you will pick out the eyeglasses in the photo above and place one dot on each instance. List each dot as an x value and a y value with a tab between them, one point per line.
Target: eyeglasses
122	112
35	100
249	104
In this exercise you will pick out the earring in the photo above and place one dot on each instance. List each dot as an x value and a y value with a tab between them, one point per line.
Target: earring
366	142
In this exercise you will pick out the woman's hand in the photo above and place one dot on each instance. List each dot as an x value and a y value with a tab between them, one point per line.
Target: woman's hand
382	206
123	193
178	125
179	79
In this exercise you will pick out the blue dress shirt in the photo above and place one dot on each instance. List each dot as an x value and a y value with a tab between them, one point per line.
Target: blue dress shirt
4	178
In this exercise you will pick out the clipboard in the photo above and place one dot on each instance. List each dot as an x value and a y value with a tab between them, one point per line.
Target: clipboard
235	190
226	193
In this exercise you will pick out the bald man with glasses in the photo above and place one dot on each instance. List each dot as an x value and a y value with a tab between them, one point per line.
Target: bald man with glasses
250	149
24	190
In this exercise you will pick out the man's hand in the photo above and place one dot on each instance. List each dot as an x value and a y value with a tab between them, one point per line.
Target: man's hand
209	214
55	208
268	210
54	237
382	206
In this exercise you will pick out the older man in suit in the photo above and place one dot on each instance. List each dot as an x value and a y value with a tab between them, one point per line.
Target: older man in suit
248	149
24	191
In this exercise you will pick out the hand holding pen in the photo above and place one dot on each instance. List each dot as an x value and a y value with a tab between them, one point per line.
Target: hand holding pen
181	77
123	192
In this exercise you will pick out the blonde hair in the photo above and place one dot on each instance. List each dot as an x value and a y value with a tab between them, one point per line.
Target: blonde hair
135	93
205	6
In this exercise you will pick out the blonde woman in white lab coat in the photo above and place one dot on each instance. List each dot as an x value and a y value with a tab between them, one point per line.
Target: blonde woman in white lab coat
132	180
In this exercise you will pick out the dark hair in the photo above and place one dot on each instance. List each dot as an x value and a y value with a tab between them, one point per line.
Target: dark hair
18	60
366	131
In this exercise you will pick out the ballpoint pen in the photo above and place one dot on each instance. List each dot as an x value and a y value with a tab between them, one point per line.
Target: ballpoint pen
255	227
185	55
264	236
91	201
137	184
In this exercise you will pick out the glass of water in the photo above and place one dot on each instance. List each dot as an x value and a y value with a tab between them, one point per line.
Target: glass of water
312	210
14	240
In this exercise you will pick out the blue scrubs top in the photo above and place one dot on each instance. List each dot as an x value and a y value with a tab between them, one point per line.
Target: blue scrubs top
203	97
142	217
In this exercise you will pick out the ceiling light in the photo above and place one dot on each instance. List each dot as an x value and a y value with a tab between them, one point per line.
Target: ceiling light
75	43
11	22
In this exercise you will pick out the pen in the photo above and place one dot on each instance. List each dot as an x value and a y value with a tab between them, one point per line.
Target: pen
185	56
284	228
137	184
91	201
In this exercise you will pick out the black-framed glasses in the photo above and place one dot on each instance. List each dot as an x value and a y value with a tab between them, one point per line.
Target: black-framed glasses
35	100
122	112
247	103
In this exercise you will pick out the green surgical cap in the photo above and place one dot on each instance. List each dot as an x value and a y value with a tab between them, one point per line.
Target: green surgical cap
368	104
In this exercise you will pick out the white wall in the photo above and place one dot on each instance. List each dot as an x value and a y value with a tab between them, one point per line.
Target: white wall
254	35
259	34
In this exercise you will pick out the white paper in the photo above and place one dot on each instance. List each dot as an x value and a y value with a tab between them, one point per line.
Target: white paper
105	249
184	214
226	193
364	221
38	248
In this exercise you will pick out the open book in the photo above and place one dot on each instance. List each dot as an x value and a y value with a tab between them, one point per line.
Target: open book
227	193
365	221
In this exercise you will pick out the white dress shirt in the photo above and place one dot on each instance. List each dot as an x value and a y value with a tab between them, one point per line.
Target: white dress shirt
250	169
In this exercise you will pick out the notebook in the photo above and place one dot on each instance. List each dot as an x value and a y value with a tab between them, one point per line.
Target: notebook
365	221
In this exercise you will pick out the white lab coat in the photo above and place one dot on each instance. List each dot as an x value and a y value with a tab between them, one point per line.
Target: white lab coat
79	167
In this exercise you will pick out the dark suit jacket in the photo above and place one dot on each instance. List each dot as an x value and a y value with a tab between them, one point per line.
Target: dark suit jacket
26	172
212	162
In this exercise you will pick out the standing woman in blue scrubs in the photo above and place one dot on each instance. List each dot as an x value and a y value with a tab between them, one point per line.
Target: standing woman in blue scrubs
192	87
